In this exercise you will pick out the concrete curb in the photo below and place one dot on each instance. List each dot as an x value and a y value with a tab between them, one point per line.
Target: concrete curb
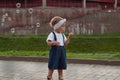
75	61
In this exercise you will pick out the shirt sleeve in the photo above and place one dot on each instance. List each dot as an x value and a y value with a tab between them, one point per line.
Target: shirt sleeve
50	37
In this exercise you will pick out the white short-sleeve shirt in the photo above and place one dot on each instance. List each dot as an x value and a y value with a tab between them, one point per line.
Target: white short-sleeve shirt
59	37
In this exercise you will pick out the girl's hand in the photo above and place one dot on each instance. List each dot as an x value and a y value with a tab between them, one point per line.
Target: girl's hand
70	35
55	43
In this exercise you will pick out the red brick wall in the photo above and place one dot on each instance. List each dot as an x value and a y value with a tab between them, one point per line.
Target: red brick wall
12	3
56	3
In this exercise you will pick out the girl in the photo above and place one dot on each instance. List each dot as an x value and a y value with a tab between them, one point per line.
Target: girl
57	40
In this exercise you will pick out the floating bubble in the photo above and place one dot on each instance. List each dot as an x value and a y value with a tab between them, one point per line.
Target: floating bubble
30	10
6	14
37	24
18	5
12	30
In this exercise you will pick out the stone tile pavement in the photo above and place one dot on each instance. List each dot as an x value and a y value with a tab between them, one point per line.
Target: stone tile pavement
21	70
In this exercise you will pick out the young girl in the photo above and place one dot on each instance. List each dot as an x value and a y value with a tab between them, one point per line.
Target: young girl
57	40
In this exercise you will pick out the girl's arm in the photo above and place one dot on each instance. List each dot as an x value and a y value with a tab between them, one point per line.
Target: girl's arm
68	38
53	43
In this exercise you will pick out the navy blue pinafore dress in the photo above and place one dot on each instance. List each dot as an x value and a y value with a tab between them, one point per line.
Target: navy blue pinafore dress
57	56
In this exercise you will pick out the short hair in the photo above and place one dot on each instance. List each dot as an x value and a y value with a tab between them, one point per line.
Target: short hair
55	20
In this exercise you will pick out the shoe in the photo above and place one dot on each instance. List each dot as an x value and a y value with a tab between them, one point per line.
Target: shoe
61	78
48	78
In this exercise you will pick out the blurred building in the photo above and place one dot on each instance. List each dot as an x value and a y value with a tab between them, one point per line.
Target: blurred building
60	3
84	16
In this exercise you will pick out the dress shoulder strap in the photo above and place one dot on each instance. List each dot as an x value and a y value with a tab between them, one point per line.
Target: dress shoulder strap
55	38
63	38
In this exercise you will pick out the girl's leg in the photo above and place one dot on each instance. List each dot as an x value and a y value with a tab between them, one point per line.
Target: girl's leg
60	73
50	73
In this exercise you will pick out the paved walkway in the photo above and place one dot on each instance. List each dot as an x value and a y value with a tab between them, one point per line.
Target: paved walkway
20	70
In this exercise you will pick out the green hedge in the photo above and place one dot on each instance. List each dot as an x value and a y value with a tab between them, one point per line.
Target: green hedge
24	44
79	44
94	45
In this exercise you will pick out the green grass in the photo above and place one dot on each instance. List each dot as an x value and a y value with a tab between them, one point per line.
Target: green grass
104	56
24	53
79	47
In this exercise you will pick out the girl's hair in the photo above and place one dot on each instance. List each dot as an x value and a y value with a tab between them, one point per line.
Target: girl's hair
55	20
